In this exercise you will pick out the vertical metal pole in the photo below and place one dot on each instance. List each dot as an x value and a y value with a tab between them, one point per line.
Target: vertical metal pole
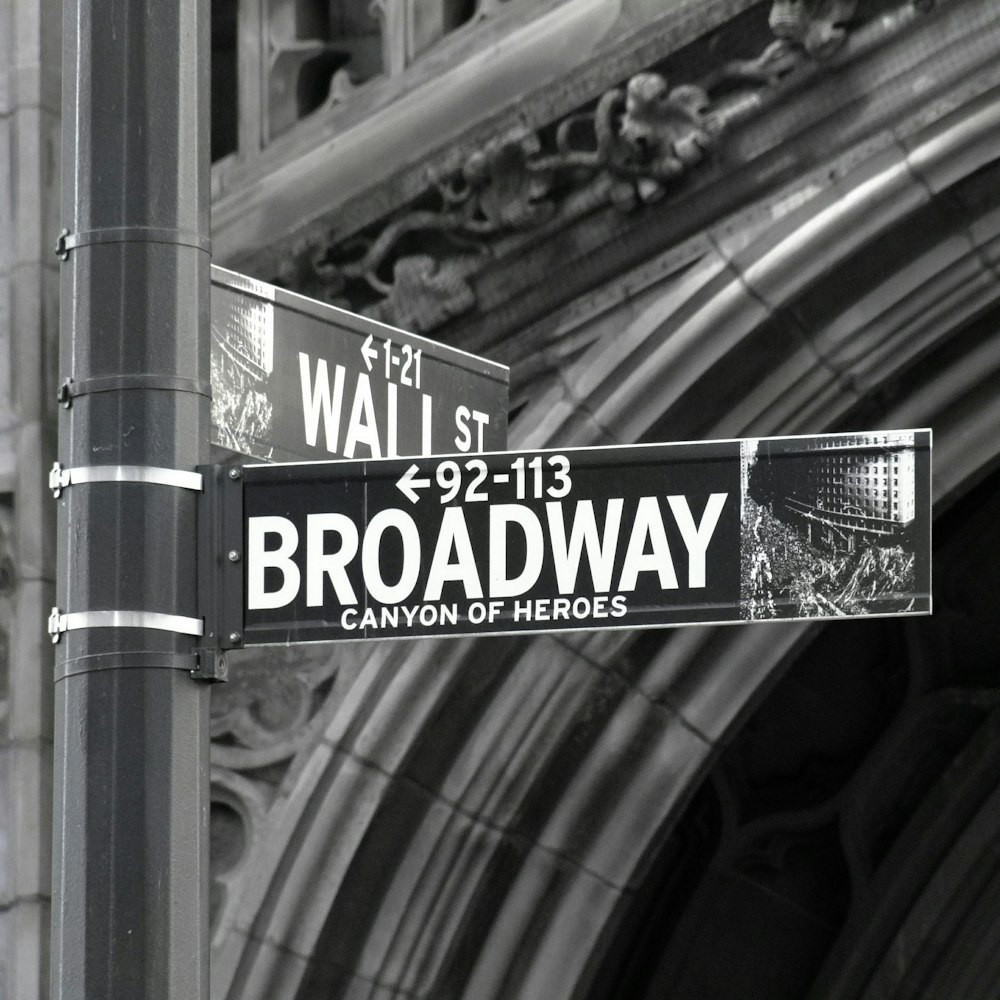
131	725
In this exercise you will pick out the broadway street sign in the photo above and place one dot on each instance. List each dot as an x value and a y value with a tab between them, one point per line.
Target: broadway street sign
294	379
834	526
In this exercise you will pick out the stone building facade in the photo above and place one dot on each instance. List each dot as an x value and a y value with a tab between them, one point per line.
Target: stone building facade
30	57
674	221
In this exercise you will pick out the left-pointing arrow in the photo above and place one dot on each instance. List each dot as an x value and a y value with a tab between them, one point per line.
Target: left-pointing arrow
368	352
408	485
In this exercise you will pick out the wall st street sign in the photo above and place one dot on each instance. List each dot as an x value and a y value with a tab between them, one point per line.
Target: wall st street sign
622	537
294	378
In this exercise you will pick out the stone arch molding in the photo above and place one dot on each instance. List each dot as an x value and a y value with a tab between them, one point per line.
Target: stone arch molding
466	818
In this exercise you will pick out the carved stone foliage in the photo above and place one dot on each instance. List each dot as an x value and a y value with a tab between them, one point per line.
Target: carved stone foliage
634	145
424	293
637	140
819	26
271	708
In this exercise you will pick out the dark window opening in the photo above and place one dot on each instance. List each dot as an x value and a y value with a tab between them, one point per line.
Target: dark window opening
225	80
457	12
313	84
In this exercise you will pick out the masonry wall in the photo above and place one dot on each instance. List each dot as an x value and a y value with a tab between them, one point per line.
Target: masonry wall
30	61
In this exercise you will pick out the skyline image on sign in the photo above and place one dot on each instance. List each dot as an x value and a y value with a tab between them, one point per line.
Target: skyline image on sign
242	362
630	536
829	526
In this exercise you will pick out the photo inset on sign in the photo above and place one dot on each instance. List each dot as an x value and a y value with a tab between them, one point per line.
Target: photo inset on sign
242	362
829	526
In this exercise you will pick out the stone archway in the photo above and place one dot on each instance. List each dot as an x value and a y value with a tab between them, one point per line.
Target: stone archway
474	818
843	844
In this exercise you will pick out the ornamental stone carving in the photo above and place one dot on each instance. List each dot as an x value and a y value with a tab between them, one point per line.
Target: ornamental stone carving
273	706
662	133
424	293
819	26
637	143
500	186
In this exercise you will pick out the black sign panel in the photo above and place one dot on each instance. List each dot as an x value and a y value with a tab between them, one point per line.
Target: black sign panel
622	537
294	378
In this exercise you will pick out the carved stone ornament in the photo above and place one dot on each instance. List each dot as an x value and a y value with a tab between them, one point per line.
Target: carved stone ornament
637	141
272	707
819	26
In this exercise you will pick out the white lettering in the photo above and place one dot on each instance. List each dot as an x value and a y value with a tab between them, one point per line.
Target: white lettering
501	583
317	400
697	539
362	428
464	440
481	419
320	563
392	422
600	552
648	525
371	556
517	553
426	428
260	559
454	534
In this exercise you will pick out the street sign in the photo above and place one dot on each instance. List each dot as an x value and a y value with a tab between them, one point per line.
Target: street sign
294	378
833	526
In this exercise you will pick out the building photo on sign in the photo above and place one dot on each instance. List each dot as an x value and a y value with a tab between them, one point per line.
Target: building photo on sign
618	537
831	530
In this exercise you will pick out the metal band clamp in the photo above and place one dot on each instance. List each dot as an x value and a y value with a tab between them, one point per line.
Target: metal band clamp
126	660
60	478
130	234
59	622
70	389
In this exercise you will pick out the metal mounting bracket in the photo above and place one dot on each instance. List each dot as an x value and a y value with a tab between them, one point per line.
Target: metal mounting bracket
220	565
211	665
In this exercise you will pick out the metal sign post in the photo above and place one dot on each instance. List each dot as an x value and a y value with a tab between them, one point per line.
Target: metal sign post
622	537
130	844
297	379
